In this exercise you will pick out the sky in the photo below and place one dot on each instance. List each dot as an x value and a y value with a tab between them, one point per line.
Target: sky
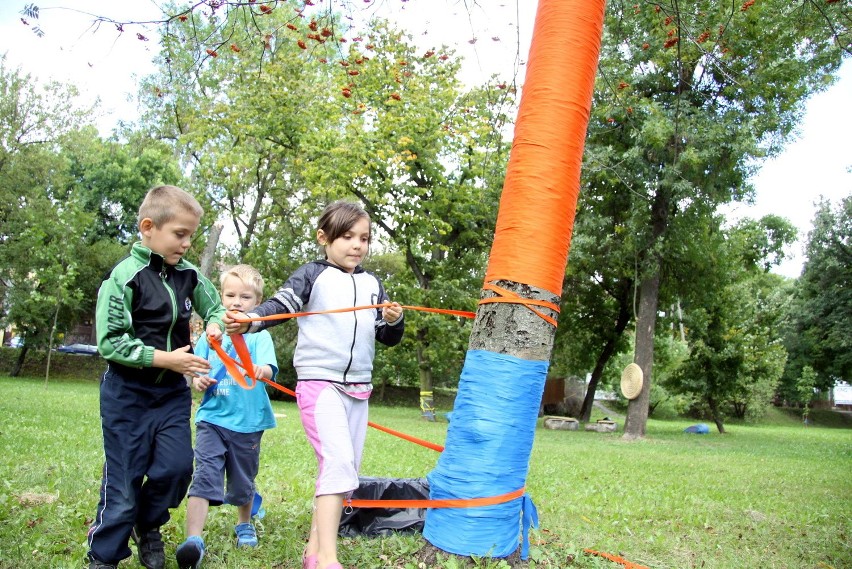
106	64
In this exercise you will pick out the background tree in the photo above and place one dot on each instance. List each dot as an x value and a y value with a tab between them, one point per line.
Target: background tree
228	104
735	356
32	118
685	67
378	121
426	159
38	234
691	94
599	289
110	178
820	333
805	390
68	203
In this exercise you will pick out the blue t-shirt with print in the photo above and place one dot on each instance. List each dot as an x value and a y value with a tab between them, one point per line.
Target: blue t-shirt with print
226	403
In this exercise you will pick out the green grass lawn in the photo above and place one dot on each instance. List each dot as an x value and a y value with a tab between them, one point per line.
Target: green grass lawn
775	495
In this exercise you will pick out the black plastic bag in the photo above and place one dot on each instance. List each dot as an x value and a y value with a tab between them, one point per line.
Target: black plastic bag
383	521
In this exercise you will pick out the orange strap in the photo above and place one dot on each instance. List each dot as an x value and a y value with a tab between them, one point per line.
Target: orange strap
462	313
231	365
408	438
447	503
503	296
245	364
616	558
245	356
509	296
234	368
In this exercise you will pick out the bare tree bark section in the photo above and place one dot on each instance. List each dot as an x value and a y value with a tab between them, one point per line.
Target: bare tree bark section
646	320
206	264
514	329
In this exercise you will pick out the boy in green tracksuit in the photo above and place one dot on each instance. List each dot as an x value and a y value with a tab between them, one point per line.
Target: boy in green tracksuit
142	320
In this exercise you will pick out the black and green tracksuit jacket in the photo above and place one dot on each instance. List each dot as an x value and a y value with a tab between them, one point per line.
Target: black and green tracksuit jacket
145	304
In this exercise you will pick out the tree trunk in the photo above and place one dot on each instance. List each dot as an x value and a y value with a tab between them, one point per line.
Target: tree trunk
19	363
489	441
646	319
637	409
514	329
50	343
497	407
209	254
717	417
427	402
608	349
600	364
205	265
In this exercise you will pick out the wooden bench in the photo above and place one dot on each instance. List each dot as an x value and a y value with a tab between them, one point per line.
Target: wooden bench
602	426
561	423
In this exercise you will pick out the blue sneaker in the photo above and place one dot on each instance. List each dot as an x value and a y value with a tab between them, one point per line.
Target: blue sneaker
190	553
246	536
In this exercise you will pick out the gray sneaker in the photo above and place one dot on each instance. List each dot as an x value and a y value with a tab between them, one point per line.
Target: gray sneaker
94	564
150	548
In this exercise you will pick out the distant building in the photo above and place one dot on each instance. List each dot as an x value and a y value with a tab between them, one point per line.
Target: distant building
841	394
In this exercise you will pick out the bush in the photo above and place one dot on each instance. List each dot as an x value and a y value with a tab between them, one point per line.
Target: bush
61	365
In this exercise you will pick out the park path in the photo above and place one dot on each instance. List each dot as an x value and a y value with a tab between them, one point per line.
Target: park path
607	411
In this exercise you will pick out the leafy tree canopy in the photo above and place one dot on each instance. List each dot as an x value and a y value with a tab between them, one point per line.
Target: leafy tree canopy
821	322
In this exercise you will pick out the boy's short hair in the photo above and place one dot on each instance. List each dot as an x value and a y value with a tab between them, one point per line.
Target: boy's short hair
162	203
246	273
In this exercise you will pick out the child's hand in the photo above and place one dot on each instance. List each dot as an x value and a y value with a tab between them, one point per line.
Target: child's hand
214	332
181	361
262	372
392	313
202	382
232	326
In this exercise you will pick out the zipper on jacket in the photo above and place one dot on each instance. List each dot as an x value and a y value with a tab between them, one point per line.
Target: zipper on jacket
163	278
354	330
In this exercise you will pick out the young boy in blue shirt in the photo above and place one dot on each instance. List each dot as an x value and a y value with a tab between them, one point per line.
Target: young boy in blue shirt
142	321
229	425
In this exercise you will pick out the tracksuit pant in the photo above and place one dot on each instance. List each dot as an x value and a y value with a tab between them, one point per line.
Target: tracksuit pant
148	460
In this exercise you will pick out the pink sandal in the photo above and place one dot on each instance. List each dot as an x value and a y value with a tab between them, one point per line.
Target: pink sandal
309	562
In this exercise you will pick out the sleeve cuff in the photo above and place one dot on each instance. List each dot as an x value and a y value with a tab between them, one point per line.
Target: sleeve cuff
256	325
